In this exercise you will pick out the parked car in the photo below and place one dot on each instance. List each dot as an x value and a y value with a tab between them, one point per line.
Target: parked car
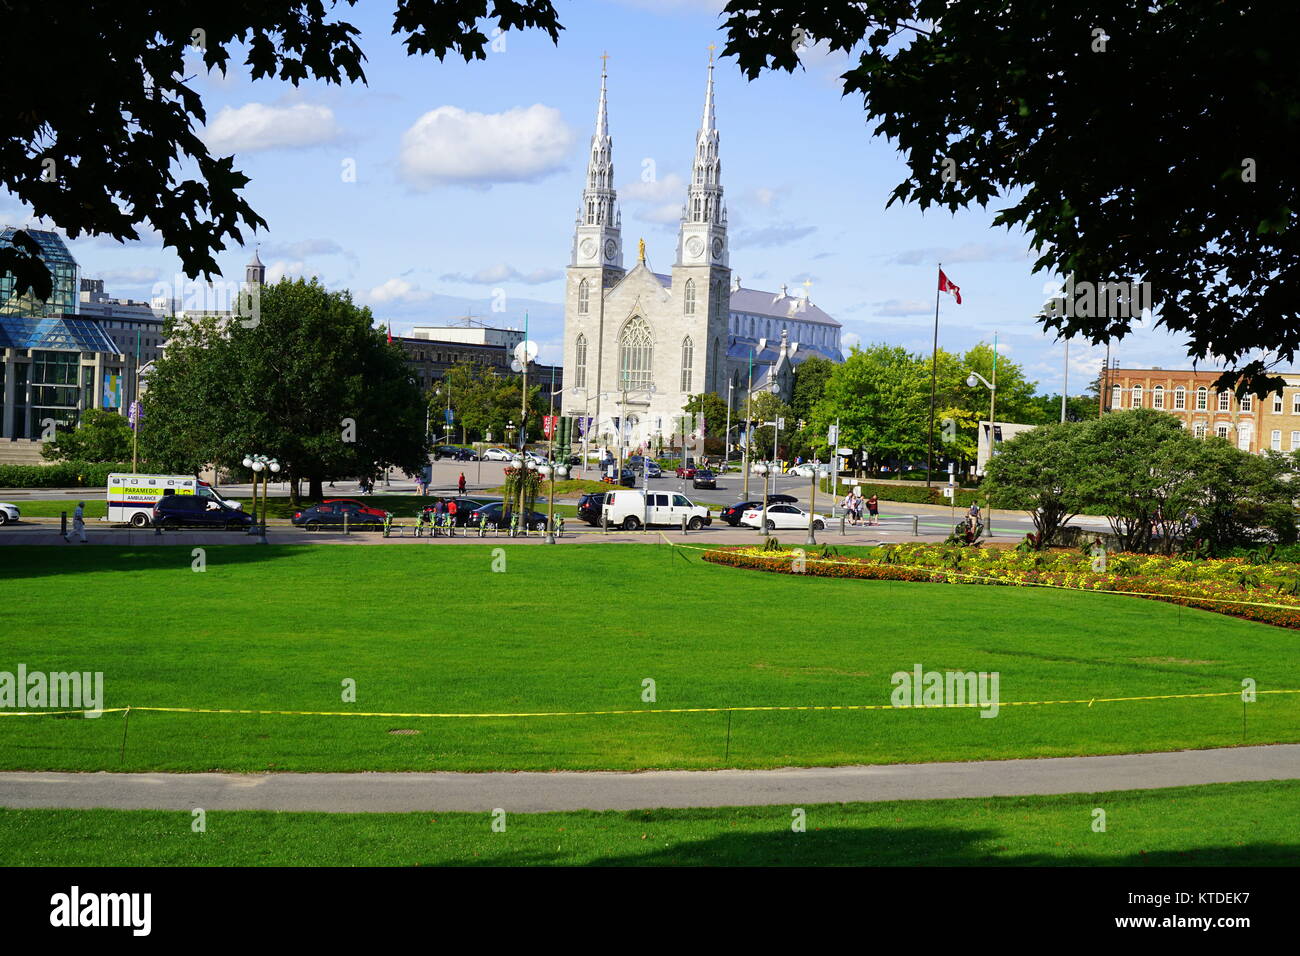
497	454
782	516
368	509
646	465
464	507
492	515
733	513
627	479
172	512
589	507
331	516
8	513
453	451
630	509
704	478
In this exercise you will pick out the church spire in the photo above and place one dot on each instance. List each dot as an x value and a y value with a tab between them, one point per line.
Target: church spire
703	235
596	237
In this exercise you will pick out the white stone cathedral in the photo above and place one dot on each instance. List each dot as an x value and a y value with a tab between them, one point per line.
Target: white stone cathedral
639	344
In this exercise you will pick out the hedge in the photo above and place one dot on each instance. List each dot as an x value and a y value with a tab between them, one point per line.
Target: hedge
64	474
898	491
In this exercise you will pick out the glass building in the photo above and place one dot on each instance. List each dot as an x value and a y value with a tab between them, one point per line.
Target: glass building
53	363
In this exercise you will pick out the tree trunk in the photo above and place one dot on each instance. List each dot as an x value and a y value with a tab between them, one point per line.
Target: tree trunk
315	488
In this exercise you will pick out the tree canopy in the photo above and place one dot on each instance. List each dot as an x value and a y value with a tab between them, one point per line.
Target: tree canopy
311	384
1132	141
101	435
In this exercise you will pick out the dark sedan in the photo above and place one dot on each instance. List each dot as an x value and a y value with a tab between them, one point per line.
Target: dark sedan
332	515
704	479
733	513
173	512
492	514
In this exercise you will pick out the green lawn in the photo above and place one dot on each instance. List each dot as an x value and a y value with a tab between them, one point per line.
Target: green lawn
1241	824
578	628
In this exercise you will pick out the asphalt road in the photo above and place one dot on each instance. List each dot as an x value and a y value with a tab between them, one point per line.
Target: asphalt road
542	792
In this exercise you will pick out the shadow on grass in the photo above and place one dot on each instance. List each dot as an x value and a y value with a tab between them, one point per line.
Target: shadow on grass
25	562
894	846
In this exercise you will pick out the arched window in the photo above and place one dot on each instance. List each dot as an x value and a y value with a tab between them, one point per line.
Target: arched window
1180	398
1158	397
584	297
688	361
580	362
635	355
1225	401
1202	399
1137	397
690	297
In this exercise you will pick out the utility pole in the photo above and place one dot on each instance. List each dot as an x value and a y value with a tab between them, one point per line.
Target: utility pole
749	409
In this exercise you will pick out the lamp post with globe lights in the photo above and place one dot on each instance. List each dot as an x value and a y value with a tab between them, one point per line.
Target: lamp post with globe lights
551	471
264	467
975	378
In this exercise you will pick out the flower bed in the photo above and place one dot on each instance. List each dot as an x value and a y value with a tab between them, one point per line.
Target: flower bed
1269	593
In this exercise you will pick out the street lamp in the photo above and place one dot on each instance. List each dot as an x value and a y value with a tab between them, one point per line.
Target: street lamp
552	471
260	465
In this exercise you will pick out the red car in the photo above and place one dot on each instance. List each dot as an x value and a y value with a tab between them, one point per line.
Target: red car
687	470
363	508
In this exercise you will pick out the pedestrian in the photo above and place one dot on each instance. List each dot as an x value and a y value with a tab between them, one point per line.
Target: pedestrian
873	508
973	516
451	516
440	511
78	522
460	485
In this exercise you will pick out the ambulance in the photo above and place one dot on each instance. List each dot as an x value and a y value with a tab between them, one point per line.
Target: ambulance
131	498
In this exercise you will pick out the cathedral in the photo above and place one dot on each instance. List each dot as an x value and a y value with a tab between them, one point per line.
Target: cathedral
639	344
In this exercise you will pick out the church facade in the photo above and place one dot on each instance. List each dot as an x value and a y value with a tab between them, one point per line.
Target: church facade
639	344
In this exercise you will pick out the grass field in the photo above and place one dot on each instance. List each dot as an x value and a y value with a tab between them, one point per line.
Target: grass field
1243	824
579	628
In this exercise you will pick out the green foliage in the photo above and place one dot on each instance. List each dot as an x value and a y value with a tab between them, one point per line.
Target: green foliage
1035	101
485	402
64	474
1039	471
312	384
101	435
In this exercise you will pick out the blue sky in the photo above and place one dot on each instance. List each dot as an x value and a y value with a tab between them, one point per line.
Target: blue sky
467	179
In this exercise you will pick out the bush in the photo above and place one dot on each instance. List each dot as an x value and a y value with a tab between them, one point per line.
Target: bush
906	492
65	474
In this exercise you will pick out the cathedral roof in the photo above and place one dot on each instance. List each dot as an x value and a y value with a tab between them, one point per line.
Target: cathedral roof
778	305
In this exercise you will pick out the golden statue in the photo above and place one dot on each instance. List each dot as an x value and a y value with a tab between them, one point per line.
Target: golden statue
640	250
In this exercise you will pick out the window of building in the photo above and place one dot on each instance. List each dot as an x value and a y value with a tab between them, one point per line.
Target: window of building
1137	397
1245	432
1295	441
690	297
1247	403
1275	440
1158	397
584	297
1295	404
688	360
1116	399
1180	398
1199	430
1202	399
580	362
1221	429
1277	404
635	355
1225	401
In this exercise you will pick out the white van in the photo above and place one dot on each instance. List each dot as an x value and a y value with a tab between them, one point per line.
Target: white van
630	508
131	498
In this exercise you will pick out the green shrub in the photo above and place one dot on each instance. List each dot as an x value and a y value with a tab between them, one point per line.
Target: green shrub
65	474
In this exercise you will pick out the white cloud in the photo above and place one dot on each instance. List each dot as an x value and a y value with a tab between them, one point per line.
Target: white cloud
450	145
140	276
777	235
281	268
660	200
397	290
503	272
850	339
257	126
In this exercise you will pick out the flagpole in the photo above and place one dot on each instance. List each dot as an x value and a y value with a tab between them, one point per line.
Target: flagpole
934	378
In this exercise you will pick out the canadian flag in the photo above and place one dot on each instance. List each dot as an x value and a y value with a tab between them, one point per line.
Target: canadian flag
946	285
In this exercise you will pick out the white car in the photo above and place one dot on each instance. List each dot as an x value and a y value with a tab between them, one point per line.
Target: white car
782	516
497	454
806	470
8	513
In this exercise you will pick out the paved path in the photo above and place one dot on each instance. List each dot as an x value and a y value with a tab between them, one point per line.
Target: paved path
538	792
